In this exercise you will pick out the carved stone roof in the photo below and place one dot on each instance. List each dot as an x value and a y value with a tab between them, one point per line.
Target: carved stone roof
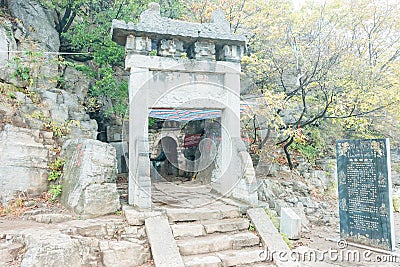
154	26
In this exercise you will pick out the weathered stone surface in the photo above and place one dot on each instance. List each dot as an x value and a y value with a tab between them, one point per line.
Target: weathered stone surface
269	235
7	43
245	239
89	177
8	253
228	225
290	223
185	230
123	253
202	261
151	21
163	246
176	214
76	82
98	199
23	161
237	257
51	218
50	248
204	244
38	20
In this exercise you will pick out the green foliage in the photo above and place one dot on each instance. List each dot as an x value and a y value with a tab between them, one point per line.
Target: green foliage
309	144
22	71
396	203
251	227
152	121
56	168
287	240
153	53
59	130
92	35
273	218
12	95
55	191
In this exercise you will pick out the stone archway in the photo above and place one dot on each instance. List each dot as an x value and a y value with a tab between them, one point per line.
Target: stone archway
197	67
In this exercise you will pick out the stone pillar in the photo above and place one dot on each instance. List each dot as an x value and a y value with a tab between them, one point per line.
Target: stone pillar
139	163
230	131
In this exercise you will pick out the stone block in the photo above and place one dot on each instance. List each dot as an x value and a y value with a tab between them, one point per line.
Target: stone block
245	239
176	214
202	261
123	253
98	199
290	223
23	161
185	230
204	244
133	216
229	225
163	246
50	248
89	177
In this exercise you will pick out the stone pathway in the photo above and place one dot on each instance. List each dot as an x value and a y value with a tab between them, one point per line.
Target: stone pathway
209	230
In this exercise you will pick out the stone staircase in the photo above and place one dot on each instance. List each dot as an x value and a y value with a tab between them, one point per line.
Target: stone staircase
215	236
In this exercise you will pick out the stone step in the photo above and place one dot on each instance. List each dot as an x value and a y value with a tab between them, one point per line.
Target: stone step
201	228
244	257
240	257
216	242
188	230
182	215
217	211
226	225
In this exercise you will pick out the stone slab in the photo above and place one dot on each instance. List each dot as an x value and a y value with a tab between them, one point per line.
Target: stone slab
246	239
365	192
238	257
202	261
163	246
290	223
204	244
176	214
188	230
269	235
227	225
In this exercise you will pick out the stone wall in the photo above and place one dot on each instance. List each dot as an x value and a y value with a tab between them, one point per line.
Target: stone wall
36	116
24	161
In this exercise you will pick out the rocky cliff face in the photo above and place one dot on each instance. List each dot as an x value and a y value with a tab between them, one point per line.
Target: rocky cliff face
38	112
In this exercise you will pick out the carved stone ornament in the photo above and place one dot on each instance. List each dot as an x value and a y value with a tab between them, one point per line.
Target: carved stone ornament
203	51
170	48
138	44
232	53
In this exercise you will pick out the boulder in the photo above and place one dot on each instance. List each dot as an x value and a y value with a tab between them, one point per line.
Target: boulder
50	248
38	21
23	161
88	181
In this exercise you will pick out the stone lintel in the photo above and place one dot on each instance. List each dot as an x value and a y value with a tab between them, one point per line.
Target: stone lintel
180	65
156	35
180	30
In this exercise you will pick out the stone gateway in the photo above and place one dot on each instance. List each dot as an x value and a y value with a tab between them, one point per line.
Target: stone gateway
181	65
